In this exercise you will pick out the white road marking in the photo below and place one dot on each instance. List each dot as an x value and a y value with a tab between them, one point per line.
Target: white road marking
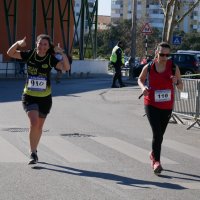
128	149
69	151
183	148
9	153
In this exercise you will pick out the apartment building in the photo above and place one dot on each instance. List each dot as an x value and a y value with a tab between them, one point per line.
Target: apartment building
150	11
192	21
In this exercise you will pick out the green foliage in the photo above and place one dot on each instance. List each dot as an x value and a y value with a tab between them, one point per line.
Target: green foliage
75	53
190	41
107	39
88	53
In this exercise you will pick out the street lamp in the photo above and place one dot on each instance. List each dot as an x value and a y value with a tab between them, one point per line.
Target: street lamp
133	37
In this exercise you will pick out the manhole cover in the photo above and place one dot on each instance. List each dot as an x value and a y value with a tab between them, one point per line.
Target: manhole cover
77	135
19	130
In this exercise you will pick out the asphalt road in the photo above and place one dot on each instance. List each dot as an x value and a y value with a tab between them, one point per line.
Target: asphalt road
95	146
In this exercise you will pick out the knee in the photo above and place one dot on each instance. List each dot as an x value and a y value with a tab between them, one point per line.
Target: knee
34	123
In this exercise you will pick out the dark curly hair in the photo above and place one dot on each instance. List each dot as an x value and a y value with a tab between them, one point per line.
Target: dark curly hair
48	38
164	45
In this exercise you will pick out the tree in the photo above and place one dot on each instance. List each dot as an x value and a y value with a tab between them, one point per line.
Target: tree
171	19
191	41
107	39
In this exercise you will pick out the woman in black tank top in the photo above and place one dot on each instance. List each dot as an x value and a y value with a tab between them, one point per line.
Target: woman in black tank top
36	96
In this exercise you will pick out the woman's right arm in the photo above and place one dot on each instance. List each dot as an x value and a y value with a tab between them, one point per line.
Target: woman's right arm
141	80
13	52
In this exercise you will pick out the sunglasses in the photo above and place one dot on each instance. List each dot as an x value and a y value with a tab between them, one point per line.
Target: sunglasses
164	54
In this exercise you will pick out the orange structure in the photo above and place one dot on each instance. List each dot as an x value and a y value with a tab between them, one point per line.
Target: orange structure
19	18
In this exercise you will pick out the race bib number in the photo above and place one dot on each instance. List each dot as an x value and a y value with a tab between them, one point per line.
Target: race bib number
37	83
162	95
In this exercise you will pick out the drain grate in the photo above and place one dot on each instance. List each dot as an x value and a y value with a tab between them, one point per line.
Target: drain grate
19	130
77	135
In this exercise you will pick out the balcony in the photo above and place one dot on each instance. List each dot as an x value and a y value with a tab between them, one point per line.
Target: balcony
157	25
195	18
157	16
115	15
195	27
154	7
115	6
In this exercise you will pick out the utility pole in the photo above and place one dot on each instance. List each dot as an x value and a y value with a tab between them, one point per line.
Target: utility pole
82	30
133	37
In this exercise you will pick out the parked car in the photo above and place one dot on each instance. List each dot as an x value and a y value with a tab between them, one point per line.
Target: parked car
188	63
197	53
127	62
137	69
189	51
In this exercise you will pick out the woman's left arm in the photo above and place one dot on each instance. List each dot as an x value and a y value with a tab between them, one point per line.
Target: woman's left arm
64	63
177	79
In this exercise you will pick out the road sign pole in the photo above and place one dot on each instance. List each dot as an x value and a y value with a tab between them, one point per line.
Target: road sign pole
133	36
146	46
146	30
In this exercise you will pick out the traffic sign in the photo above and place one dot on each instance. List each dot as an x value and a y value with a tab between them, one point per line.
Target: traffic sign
146	29
176	40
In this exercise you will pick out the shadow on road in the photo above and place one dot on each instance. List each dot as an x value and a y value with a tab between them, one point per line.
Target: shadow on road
11	89
109	176
193	177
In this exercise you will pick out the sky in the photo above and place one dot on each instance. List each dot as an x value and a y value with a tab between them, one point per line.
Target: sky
104	7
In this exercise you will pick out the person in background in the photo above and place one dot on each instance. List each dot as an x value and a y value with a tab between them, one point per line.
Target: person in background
36	98
117	61
161	78
20	66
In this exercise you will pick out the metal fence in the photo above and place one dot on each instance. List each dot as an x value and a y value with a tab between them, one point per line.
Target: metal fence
12	69
187	102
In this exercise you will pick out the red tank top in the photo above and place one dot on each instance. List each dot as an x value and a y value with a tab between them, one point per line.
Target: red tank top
161	90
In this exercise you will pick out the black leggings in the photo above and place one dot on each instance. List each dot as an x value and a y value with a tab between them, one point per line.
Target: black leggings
158	119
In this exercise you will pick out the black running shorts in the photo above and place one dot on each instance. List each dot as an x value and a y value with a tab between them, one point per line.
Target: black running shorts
41	104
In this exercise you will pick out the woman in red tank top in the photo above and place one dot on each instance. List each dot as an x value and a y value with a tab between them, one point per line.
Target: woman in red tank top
160	78
161	90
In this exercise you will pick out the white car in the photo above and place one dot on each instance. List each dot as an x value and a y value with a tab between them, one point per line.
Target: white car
127	63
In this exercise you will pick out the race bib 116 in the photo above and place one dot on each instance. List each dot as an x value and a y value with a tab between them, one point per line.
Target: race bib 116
162	95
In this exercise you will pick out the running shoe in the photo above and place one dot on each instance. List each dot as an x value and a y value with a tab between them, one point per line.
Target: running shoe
33	158
157	168
152	158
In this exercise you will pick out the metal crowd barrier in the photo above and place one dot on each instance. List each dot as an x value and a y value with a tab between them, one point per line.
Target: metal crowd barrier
187	102
12	69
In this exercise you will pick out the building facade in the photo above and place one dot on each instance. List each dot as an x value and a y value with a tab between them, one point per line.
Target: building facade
150	11
103	22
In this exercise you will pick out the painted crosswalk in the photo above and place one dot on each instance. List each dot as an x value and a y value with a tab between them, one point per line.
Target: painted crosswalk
75	154
69	151
9	153
182	148
129	150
